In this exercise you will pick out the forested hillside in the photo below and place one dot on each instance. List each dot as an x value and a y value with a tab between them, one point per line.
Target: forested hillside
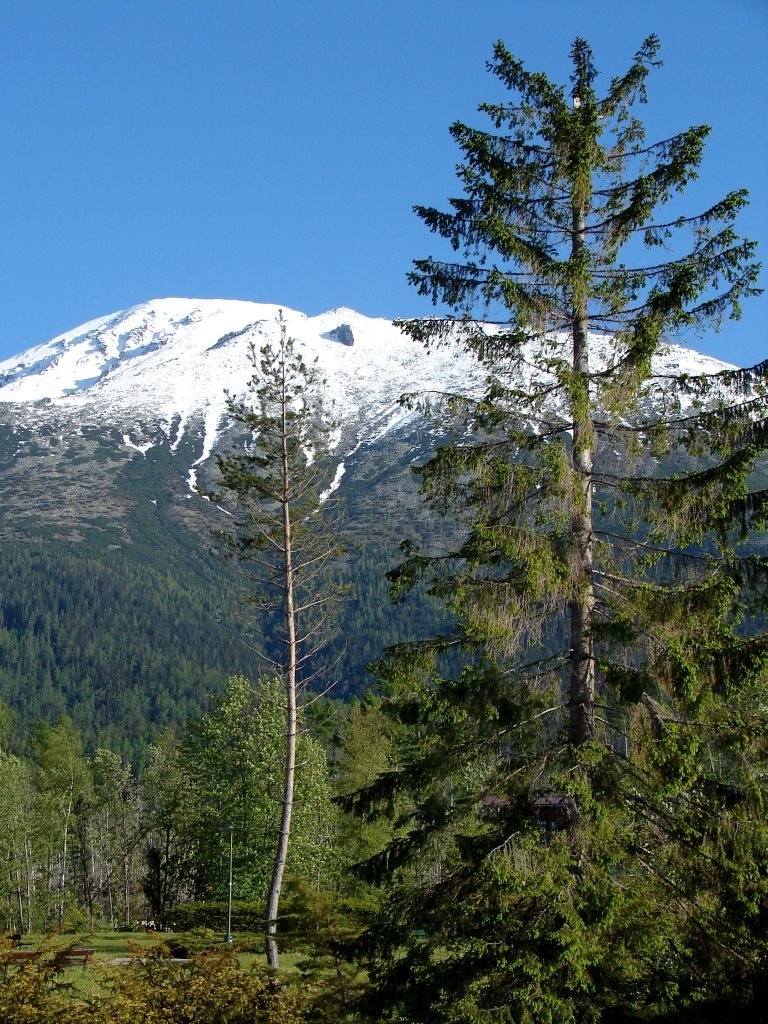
122	648
126	650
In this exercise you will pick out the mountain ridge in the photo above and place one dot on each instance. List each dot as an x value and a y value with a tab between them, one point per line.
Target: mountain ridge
150	383
103	352
160	370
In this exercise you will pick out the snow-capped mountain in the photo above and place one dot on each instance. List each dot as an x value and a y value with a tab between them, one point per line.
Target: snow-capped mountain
175	358
130	407
167	364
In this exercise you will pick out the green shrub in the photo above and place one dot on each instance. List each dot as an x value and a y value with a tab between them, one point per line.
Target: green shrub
195	941
75	923
246	916
152	989
211	990
32	993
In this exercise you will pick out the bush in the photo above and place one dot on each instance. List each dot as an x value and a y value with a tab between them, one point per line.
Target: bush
152	990
33	994
212	989
190	943
76	922
246	916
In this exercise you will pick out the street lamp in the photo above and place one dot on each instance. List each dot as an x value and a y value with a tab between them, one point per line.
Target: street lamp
228	936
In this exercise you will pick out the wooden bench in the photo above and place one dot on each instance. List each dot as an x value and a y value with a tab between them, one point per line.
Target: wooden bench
18	957
71	957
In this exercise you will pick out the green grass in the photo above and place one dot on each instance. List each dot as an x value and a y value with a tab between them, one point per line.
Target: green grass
108	945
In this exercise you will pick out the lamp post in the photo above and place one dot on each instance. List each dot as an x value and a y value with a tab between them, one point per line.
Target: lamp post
228	936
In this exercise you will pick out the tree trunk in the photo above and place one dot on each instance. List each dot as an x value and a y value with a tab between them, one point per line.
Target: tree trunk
19	900
164	887
126	894
581	690
28	880
273	899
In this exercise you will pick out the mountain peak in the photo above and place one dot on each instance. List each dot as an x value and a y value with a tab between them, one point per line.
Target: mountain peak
158	367
169	361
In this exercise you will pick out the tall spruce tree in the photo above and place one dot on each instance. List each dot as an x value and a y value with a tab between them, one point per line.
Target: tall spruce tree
588	840
284	536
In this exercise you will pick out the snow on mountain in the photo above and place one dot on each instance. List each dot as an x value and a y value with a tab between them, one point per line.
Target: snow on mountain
167	363
171	360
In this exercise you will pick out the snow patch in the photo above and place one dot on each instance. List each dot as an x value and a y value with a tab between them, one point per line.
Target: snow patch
143	448
212	425
334	485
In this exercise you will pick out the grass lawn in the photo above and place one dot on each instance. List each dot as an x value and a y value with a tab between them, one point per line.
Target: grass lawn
108	946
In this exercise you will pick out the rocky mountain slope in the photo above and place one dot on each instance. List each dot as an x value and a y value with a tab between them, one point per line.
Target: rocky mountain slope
129	408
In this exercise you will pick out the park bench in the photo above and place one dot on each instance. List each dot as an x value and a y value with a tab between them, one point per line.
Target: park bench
70	957
18	956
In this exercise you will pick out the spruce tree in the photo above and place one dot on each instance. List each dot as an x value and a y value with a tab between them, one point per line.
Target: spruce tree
588	839
284	537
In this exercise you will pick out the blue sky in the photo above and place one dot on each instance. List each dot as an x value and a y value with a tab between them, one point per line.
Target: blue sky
257	150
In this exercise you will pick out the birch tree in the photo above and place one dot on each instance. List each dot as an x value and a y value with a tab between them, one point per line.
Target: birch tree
16	810
62	782
233	760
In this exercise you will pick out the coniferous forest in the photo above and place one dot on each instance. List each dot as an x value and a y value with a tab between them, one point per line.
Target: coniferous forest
544	801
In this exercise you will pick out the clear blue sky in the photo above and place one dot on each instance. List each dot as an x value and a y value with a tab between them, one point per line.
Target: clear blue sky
258	150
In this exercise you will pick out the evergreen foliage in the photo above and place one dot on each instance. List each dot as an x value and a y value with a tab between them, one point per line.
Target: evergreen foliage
587	838
283	538
127	650
123	649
